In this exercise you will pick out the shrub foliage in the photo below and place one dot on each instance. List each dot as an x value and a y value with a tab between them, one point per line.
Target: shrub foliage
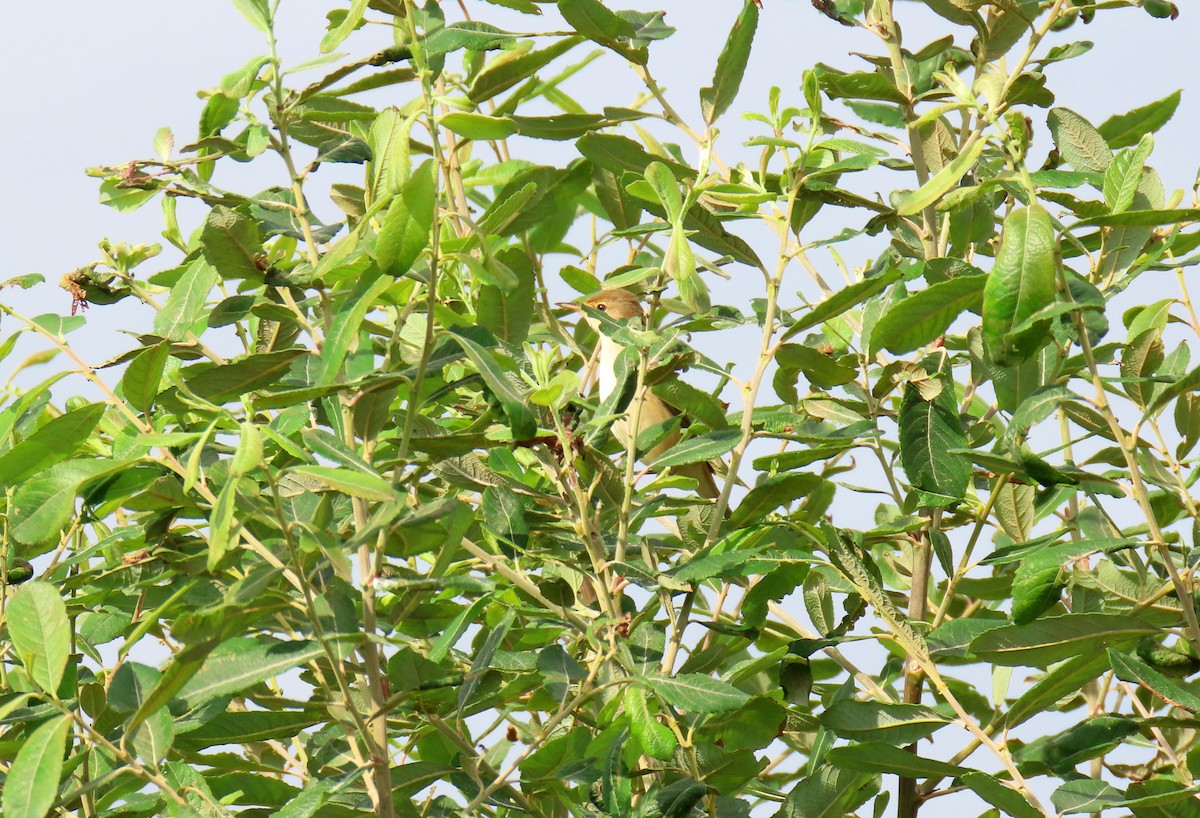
345	532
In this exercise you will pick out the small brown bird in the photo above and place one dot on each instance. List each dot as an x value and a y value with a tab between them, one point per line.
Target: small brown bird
622	305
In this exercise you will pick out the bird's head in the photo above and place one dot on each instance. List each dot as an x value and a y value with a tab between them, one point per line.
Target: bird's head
618	305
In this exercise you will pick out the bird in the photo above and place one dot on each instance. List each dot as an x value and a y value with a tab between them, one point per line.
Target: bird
623	305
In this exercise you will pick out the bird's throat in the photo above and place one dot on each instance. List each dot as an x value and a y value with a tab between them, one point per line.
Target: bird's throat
607	368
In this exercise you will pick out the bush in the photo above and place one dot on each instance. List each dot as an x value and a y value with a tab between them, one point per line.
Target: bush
355	484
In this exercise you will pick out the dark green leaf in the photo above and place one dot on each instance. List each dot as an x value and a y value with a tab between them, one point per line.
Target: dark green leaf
929	430
1143	218
829	792
470	34
405	229
520	415
52	443
1000	795
31	787
844	299
226	382
1056	638
593	20
880	721
1020	284
924	316
1066	679
731	65
241	663
861	86
697	693
185	302
1129	669
699	449
232	244
877	757
1078	141
44	504
40	633
656	738
507	71
142	377
1126	129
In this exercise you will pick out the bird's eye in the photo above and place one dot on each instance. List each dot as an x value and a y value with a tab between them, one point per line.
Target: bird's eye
602	307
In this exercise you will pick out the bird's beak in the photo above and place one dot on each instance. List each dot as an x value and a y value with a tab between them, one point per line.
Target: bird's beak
569	305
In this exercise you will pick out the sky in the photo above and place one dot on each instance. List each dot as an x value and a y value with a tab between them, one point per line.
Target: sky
97	80
90	83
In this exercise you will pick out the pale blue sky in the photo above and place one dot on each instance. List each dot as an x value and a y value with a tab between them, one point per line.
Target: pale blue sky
90	83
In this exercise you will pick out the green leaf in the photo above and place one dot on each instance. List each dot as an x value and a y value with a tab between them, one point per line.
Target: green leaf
520	417
240	663
772	492
828	792
1123	176
473	35
1000	795
1040	578
731	65
622	155
482	661
40	632
699	449
1134	671
144	375
1188	383
929	430
31	787
221	384
843	300
1034	409
656	738
1140	359
235	727
878	757
512	68
1095	736
232	244
310	800
696	404
1056	638
1078	142
351	21
1143	218
881	721
185	302
594	21
478	126
859	86
924	316
697	693
1020	284
1122	130
1066	679
405	229
1086	795
942	181
347	320
353	483
51	443
45	504
256	13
